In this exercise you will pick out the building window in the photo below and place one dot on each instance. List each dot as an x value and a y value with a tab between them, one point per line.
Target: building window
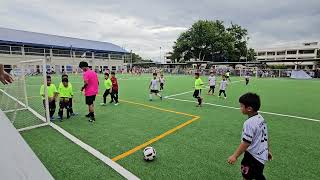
291	52
261	53
281	53
113	68
271	53
306	51
34	51
4	49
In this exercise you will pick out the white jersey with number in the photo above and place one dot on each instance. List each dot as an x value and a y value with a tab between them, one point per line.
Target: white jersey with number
255	132
154	84
223	85
212	80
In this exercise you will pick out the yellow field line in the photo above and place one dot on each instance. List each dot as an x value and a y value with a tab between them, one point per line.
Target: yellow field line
131	151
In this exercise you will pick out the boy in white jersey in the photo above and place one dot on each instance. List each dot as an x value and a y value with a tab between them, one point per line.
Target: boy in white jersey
223	86
254	141
162	80
247	77
154	88
212	83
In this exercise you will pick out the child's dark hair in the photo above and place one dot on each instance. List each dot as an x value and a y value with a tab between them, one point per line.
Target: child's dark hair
106	74
250	100
154	74
48	77
197	74
64	76
83	64
113	73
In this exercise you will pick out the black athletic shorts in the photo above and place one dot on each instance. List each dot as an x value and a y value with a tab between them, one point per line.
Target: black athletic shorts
154	91
212	87
90	99
251	168
197	93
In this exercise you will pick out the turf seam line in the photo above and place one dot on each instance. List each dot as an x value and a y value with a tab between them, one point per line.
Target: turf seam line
263	112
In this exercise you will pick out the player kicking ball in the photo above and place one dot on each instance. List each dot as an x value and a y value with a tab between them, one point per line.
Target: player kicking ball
154	87
198	86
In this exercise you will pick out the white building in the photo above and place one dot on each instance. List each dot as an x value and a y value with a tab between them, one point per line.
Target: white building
305	51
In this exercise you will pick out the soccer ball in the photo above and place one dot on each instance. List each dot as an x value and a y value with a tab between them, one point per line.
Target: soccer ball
149	153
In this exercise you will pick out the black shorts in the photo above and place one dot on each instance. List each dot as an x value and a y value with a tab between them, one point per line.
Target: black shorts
251	168
154	91
161	84
212	87
90	99
197	93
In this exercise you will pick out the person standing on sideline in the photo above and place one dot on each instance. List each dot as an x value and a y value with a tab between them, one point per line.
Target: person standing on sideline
198	86
212	83
115	89
108	87
90	88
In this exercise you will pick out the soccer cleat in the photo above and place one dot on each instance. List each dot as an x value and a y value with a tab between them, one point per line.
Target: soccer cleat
225	97
103	104
150	99
73	114
160	97
88	115
52	118
116	104
92	119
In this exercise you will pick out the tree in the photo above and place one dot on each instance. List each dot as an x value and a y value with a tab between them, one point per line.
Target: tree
251	55
211	41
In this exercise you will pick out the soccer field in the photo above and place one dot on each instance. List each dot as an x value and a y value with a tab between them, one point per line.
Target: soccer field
191	142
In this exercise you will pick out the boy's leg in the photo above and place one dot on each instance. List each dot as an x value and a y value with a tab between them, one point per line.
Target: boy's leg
112	97
52	108
67	105
70	106
220	93
224	93
213	89
116	97
61	106
150	96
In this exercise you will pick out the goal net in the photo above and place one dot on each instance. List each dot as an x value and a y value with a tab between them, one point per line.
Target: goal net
21	100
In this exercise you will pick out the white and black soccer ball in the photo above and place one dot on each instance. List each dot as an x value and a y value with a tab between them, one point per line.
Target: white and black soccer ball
149	153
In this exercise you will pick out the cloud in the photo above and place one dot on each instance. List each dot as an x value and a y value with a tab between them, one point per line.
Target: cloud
144	26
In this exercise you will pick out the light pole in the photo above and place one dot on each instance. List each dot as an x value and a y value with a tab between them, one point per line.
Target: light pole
130	59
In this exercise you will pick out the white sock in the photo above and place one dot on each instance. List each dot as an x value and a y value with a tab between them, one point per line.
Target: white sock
150	96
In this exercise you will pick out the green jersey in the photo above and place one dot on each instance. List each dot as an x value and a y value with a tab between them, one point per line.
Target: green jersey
51	90
65	92
198	84
108	83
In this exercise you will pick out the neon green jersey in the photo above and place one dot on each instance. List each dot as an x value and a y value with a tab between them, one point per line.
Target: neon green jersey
51	90
107	83
198	84
65	91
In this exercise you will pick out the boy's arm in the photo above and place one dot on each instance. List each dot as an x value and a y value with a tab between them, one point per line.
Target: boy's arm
242	148
85	84
150	85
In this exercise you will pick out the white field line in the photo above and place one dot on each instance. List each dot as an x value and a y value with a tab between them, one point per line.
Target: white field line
173	95
263	112
122	171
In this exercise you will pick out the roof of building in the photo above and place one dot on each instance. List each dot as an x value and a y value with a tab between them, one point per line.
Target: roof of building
302	46
54	41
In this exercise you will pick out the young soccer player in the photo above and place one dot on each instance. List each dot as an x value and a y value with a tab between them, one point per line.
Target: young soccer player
254	141
247	77
154	87
90	88
212	83
223	86
227	75
65	93
162	81
108	86
115	89
52	95
198	86
65	76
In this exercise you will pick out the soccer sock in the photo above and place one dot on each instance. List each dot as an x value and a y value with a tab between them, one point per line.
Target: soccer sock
199	101
91	114
150	96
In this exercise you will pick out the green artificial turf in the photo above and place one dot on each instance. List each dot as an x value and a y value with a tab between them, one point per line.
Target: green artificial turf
197	151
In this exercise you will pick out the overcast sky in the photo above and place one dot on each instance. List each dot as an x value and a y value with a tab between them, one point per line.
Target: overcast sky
145	25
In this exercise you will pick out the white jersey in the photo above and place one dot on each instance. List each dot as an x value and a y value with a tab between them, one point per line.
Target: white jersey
154	84
162	80
247	76
212	80
223	85
255	132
